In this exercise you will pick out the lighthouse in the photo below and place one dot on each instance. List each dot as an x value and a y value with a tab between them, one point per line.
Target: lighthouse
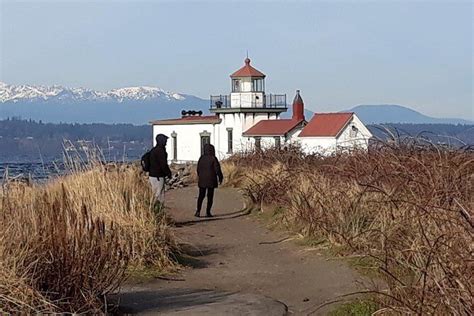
246	105
247	118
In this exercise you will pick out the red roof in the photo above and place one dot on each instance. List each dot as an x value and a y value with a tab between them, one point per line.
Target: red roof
326	124
247	71
196	119
272	127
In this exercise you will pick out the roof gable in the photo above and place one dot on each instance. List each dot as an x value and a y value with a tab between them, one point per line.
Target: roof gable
248	71
326	125
273	127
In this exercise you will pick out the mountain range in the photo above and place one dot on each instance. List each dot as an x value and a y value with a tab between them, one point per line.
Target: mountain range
139	105
27	93
136	105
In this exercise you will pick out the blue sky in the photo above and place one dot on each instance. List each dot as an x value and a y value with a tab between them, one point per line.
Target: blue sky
338	53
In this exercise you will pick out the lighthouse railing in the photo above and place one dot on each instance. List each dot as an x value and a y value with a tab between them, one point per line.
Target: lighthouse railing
269	101
275	101
220	101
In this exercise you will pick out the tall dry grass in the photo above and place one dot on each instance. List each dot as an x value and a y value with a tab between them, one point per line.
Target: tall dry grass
66	244
406	207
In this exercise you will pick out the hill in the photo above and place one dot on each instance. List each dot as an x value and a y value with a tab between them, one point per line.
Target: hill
376	114
458	135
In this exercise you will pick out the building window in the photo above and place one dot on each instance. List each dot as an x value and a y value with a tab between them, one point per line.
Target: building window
277	142
353	131
236	87
174	137
258	143
205	139
257	85
230	140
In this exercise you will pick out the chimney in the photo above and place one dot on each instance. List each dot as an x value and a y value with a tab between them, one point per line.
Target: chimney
298	107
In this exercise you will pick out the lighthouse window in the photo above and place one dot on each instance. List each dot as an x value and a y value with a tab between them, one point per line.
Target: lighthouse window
257	85
235	85
230	140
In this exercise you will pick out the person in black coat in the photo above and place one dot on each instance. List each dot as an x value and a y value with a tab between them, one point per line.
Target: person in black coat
159	168
209	173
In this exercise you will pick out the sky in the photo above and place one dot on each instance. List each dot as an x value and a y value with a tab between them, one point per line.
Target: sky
338	53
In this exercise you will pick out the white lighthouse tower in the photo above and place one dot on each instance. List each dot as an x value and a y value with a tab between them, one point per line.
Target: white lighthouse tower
246	105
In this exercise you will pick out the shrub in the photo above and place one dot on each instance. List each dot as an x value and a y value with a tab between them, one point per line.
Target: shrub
68	243
406	207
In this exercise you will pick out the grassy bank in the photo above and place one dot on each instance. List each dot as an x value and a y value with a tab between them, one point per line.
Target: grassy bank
406	209
66	244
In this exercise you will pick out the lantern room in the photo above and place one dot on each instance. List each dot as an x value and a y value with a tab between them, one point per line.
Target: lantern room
248	93
248	79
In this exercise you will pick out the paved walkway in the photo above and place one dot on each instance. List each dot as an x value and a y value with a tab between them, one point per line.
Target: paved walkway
234	264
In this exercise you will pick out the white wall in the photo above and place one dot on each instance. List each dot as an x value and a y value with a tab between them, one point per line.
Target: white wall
292	137
239	122
236	122
246	99
188	139
320	145
349	139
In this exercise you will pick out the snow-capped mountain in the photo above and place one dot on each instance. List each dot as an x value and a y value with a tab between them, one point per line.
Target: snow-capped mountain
143	93
137	105
13	93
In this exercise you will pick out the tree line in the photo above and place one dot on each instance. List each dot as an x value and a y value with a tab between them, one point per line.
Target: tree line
20	128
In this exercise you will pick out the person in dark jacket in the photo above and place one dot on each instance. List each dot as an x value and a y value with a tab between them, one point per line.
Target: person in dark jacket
209	173
159	168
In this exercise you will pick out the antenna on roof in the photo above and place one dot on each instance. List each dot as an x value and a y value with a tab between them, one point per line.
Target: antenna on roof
247	53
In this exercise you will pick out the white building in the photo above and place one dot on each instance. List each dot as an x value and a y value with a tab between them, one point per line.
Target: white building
327	133
249	118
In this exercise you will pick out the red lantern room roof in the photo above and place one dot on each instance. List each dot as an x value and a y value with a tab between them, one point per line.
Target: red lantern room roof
247	71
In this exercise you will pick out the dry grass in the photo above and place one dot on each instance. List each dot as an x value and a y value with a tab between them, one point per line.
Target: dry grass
66	244
407	207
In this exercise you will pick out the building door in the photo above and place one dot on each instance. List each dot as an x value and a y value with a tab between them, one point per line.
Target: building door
205	139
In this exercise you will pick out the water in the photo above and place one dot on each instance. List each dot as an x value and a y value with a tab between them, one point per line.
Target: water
33	169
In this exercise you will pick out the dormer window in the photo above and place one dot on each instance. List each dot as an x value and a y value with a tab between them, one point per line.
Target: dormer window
236	85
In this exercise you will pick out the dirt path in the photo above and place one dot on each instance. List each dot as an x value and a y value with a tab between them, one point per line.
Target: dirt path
234	252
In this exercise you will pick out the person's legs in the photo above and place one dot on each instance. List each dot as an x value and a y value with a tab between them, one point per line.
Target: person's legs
158	188
161	190
202	194
154	185
210	200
